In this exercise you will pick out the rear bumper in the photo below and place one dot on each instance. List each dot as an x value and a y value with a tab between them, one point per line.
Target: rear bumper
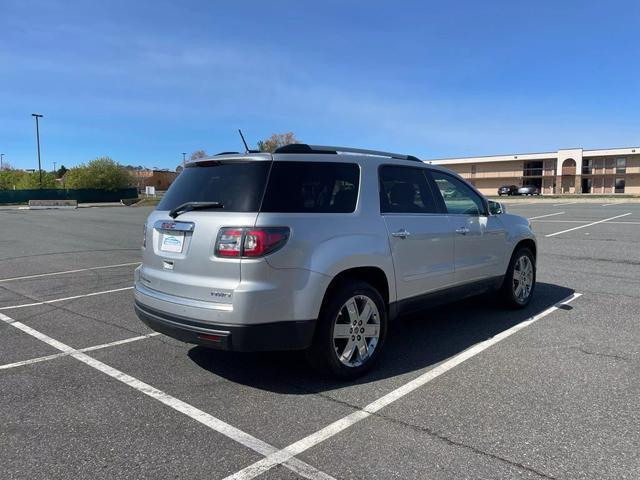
287	335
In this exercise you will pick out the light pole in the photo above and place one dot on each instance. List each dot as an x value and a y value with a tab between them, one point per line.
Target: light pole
1	157
54	167
184	161
37	116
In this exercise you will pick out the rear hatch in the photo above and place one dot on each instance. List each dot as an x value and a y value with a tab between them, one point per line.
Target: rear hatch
179	254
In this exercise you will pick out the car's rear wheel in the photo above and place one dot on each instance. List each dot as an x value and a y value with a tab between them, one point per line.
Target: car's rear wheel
350	332
520	280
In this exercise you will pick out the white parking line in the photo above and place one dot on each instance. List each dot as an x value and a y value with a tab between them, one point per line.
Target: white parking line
245	439
286	454
585	221
86	349
560	204
26	277
46	302
548	215
587	225
563	221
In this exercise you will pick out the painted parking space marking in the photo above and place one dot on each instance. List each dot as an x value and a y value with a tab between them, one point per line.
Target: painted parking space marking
561	204
586	221
587	225
46	302
287	453
241	437
86	349
547	215
27	277
561	221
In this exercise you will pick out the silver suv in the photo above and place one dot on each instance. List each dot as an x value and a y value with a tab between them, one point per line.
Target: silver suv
319	248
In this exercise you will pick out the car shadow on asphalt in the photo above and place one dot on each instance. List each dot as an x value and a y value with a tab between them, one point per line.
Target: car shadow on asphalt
414	342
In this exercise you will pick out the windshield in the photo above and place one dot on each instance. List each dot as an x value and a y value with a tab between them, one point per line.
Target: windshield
238	186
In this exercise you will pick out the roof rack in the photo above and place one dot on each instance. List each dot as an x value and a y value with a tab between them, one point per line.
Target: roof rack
304	148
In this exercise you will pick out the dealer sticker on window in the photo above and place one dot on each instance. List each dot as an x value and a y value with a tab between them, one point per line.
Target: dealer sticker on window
172	242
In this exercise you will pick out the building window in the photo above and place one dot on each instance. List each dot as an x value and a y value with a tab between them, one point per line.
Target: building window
609	165
586	167
532	169
619	185
473	169
569	167
621	165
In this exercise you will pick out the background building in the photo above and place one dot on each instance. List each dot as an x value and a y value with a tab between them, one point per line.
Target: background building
567	171
160	179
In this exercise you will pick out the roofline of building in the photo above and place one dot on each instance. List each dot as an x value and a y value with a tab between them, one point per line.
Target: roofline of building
536	155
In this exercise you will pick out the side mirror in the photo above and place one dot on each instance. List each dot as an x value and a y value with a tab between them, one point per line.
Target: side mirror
496	208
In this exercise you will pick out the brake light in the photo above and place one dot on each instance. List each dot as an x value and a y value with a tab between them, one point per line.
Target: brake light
262	241
250	242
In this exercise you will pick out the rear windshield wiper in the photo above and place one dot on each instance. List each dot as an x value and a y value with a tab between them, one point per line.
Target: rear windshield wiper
188	206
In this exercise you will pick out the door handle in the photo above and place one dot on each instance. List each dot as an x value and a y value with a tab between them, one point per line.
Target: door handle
462	230
402	233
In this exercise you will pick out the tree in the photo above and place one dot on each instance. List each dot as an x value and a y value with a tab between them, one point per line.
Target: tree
198	154
32	180
102	173
277	140
6	166
9	178
61	171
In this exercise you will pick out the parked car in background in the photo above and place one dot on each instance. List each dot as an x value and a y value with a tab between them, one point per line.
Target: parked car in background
528	190
318	248
508	190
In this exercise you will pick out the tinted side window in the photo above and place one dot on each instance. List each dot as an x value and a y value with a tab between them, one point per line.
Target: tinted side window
458	197
313	187
405	190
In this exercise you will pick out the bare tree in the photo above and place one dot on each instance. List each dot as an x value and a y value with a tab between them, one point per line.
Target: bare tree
198	154
277	140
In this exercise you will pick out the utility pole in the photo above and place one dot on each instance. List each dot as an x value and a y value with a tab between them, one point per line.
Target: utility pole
54	168
184	161
37	116
1	157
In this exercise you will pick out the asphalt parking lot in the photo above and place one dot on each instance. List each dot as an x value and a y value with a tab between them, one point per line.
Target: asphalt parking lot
464	391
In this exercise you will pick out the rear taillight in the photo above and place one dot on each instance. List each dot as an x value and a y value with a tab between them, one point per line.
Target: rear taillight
229	242
250	242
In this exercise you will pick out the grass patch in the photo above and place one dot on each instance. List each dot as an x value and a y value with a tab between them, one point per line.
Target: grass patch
147	202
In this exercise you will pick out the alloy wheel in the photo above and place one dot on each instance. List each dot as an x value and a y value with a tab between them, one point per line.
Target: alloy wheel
356	331
522	278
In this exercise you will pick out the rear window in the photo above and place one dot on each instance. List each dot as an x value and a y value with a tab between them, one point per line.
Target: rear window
313	187
237	185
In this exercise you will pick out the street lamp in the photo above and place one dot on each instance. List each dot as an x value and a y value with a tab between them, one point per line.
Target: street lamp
1	157
37	116
184	161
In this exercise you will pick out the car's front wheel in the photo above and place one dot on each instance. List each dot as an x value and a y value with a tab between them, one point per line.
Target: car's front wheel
520	279
350	332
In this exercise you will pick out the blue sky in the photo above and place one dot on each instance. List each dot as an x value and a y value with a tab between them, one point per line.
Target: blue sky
142	81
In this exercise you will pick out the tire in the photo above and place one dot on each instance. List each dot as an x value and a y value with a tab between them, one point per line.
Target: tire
513	296
338	313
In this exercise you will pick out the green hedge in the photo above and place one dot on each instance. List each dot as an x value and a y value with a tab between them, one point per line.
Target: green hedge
82	195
